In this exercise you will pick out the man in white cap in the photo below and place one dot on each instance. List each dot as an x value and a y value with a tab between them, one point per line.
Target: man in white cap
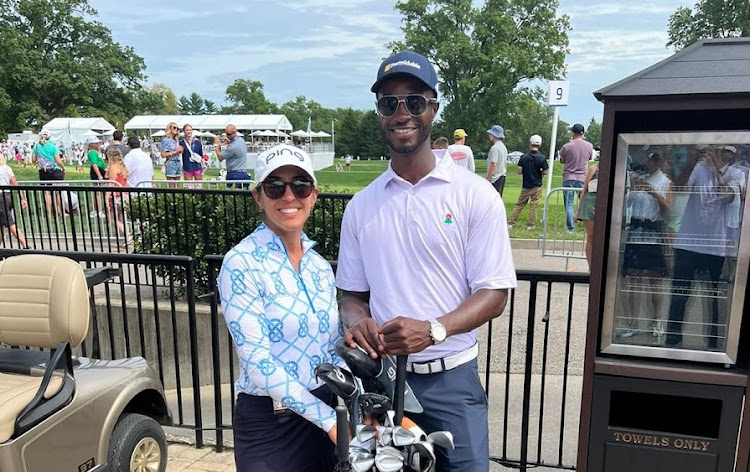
533	166
497	159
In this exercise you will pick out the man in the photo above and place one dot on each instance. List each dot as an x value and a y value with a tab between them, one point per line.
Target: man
460	152
51	167
415	271
440	146
533	166
235	154
497	159
348	162
701	243
117	143
139	164
576	155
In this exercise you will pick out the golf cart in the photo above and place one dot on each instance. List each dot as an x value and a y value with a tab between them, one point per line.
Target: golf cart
63	413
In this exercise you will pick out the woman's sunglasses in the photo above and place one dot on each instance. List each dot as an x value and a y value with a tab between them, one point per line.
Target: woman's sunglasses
415	104
275	189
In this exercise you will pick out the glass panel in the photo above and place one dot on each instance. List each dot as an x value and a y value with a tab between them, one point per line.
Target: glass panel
678	244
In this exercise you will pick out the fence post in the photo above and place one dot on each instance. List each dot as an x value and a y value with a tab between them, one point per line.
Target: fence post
214	298
194	353
527	376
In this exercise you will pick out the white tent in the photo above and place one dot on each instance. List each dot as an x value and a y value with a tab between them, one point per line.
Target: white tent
320	134
300	134
76	130
211	122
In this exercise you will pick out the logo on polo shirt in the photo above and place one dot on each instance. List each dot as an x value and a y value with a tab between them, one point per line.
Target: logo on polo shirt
448	219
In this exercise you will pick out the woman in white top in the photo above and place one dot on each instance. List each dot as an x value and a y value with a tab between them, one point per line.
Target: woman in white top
7	216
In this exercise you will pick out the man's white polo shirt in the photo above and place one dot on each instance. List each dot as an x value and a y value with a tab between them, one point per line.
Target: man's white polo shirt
421	250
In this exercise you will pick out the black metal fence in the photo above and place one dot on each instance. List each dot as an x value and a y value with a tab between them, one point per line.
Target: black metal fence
70	216
531	356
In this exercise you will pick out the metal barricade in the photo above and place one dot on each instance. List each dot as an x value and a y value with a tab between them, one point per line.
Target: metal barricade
77	183
197	184
557	240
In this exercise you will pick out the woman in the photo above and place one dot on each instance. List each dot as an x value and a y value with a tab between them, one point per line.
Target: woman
586	207
191	170
96	171
279	303
7	216
172	152
117	172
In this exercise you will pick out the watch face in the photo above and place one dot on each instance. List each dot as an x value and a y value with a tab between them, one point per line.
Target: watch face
437	332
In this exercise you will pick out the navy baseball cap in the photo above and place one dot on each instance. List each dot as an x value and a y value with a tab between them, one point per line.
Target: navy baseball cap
407	63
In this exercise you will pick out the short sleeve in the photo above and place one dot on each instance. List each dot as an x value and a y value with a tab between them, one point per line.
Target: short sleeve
350	273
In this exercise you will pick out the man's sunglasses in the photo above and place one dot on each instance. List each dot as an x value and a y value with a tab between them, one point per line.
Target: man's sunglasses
275	189
387	105
229	134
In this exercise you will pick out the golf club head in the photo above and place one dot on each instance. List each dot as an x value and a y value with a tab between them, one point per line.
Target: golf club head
389	459
385	435
343	384
358	361
443	439
423	457
374	403
402	437
338	380
365	432
363	462
383	369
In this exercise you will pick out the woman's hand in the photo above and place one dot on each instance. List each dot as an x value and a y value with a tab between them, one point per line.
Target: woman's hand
178	149
24	205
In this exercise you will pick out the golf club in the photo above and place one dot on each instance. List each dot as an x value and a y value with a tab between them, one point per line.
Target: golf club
342	440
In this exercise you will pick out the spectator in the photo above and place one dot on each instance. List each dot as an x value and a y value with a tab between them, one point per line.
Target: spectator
139	165
172	151
533	166
497	159
117	172
587	207
192	155
440	146
235	154
117	143
7	213
284	418
51	168
576	155
348	162
432	220
96	172
460	152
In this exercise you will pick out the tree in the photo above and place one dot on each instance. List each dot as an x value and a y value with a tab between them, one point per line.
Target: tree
192	105
347	131
210	107
299	109
246	97
57	59
485	53
158	99
594	133
709	19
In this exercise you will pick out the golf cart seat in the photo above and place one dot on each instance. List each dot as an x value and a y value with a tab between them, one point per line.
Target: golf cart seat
43	304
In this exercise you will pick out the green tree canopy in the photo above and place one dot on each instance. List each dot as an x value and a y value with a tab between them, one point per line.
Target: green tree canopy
158	99
247	97
192	105
709	19
485	53
57	60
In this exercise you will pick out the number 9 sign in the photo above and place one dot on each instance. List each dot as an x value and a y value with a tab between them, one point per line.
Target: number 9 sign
559	90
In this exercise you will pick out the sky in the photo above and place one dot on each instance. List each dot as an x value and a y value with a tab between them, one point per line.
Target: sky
329	50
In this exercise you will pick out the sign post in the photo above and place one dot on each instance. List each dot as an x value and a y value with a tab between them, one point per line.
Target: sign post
559	90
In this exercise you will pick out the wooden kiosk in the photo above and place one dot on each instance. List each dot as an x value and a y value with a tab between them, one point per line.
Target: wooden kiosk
667	349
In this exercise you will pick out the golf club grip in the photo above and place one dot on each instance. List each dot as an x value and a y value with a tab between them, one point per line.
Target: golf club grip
399	390
342	439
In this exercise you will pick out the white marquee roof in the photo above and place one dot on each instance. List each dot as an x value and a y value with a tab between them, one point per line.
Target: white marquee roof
211	122
96	124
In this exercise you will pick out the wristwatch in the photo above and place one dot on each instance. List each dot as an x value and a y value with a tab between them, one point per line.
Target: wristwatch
437	332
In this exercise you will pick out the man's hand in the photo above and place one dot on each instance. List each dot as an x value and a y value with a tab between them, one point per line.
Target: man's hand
366	334
403	336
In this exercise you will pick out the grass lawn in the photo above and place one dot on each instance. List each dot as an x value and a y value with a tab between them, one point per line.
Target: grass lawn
364	172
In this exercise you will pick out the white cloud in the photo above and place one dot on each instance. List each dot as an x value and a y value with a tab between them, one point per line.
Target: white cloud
593	51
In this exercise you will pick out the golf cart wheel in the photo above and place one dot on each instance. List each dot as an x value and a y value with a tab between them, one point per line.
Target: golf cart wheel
138	444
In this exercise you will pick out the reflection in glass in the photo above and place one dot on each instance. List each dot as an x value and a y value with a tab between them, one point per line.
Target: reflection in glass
682	215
